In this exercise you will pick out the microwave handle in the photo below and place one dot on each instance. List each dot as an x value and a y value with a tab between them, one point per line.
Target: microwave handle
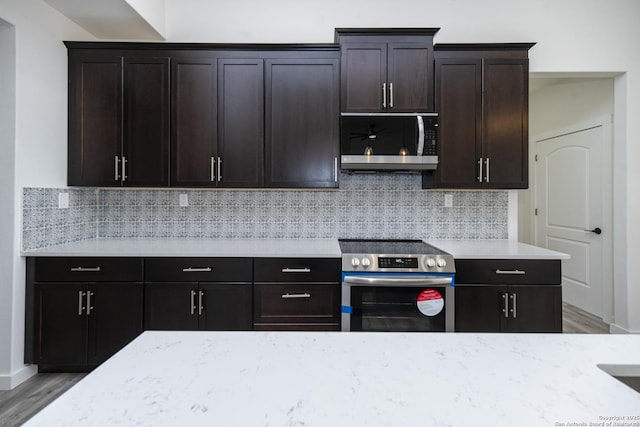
420	135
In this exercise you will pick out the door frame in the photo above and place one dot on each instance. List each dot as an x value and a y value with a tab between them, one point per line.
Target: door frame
606	122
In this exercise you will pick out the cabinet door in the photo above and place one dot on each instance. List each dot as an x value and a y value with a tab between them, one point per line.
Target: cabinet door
459	104
362	76
241	123
302	123
226	307
115	318
480	308
146	122
60	324
95	119
505	134
410	76
193	122
171	306
535	308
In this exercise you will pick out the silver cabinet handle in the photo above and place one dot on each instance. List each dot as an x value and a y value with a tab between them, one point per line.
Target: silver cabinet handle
193	302
89	306
514	305
390	95
512	272
80	298
389	281
384	95
85	269
335	169
213	169
505	307
197	270
200	307
480	163
486	176
124	169
296	270
219	169
117	174
289	296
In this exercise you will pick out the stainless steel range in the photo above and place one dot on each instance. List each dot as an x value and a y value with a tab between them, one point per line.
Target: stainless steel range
396	286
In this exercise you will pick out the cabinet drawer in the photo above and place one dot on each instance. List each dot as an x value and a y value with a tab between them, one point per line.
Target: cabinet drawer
88	269
198	269
508	271
297	270
296	303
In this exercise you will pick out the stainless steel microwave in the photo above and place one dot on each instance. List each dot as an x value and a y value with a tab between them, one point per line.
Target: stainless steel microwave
389	141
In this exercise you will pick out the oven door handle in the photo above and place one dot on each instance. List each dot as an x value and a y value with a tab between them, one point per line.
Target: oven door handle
397	281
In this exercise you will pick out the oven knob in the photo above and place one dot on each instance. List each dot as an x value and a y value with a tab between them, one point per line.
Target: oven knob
355	262
431	262
442	263
366	262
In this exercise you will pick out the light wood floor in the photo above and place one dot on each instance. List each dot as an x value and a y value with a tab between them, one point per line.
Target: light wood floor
21	403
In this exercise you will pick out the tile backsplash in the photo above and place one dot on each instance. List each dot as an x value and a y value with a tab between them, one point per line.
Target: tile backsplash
373	206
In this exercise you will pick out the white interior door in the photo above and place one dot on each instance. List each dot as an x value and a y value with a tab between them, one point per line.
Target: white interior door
573	201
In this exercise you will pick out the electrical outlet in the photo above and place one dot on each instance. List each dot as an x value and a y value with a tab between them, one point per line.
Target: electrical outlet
63	200
184	200
448	200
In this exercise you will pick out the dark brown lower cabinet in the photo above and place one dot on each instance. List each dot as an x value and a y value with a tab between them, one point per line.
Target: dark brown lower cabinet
296	306
296	294
198	306
508	308
80	324
508	296
80	310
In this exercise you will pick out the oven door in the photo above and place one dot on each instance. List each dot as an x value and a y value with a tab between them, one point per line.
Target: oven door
398	303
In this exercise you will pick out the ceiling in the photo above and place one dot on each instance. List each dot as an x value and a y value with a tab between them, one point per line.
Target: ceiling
107	19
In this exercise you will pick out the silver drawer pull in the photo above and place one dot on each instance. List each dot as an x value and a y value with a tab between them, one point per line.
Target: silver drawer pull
498	271
85	269
296	270
305	295
197	270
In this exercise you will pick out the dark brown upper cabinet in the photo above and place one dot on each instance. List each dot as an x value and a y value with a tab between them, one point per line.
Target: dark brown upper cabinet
482	97
217	112
302	129
194	121
386	70
240	160
118	119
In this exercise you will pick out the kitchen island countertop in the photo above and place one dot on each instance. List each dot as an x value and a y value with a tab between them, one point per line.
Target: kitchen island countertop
355	379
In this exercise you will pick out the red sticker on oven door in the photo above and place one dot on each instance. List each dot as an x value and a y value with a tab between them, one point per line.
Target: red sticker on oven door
430	302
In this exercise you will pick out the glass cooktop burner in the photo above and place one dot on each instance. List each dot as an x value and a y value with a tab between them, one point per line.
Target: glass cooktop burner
389	247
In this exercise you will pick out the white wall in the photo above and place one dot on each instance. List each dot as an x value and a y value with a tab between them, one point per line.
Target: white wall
35	154
7	185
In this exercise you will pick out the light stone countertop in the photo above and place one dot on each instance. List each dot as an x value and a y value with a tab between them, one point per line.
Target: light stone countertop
494	249
284	248
246	248
355	379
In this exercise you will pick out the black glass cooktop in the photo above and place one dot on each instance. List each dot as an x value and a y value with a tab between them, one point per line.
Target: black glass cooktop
388	247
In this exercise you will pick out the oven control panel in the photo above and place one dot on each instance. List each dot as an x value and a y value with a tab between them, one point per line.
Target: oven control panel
384	262
405	263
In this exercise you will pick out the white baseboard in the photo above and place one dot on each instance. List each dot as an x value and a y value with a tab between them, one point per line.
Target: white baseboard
616	329
8	382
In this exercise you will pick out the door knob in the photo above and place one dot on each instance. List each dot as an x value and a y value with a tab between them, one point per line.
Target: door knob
596	230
